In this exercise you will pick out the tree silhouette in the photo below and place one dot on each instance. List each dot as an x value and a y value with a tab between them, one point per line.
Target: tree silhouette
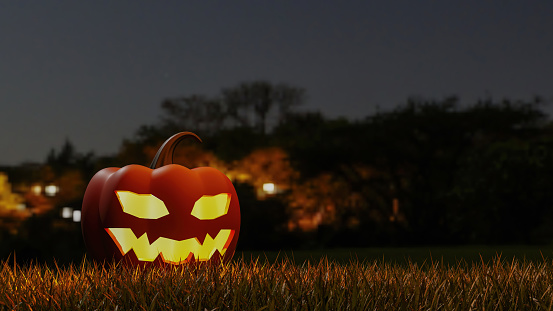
261	96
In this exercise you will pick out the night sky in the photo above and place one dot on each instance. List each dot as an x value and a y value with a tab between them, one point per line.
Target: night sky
93	72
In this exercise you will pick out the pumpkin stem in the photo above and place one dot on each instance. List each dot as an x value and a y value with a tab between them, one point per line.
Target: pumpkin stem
165	153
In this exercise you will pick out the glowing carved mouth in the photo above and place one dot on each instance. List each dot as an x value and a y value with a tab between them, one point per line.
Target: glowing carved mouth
171	251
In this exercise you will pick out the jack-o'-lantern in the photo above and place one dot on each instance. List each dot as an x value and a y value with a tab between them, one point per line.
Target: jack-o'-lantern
166	213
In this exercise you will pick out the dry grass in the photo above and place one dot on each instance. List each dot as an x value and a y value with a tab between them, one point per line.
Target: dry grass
240	285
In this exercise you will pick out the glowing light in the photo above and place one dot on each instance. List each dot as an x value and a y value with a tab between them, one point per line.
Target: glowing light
66	212
146	206
211	206
21	206
269	188
51	190
77	216
172	251
36	189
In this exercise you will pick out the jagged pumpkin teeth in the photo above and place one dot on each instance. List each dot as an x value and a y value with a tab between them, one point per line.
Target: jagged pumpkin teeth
172	251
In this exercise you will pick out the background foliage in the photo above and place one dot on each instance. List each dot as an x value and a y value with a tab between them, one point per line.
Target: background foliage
428	172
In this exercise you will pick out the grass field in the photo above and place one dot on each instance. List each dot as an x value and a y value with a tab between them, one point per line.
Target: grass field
449	255
468	278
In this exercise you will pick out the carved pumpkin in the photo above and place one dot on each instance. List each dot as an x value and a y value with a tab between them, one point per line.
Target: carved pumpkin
165	213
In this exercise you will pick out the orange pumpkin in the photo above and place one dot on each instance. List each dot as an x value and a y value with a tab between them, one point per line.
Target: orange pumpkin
161	214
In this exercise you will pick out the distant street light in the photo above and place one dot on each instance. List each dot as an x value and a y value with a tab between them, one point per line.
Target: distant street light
36	189
66	212
77	215
51	190
269	188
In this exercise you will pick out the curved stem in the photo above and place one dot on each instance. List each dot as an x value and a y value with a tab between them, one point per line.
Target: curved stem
165	153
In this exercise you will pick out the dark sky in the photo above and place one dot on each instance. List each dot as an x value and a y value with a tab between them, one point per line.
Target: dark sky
94	71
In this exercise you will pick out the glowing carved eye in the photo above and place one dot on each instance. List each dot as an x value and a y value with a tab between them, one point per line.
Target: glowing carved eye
211	206
145	206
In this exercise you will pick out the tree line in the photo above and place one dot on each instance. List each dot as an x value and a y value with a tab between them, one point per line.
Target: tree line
429	171
426	172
